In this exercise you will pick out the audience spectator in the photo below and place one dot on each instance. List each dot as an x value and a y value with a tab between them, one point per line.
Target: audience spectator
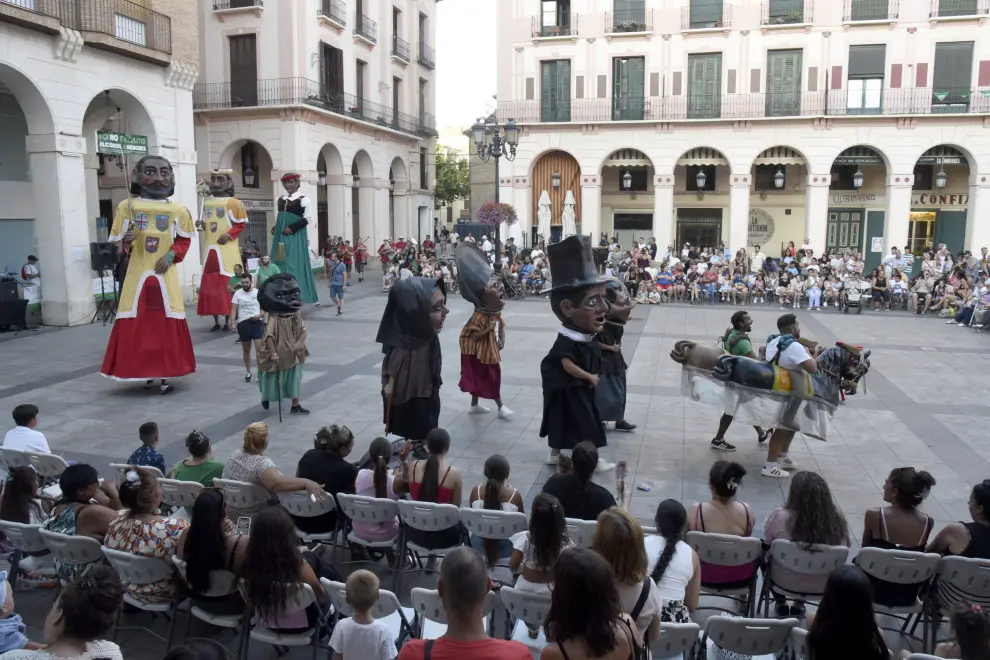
210	543
359	635
379	482
463	585
325	465
12	637
536	551
810	516
725	516
199	649
200	467
435	481
971	539
146	455
495	494
140	530
677	571
585	620
250	465
619	540
273	564
86	508
844	625
576	492
971	635
20	503
83	613
23	437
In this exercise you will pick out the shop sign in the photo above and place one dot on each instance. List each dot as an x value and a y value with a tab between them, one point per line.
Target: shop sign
121	144
760	229
853	198
940	160
940	200
258	204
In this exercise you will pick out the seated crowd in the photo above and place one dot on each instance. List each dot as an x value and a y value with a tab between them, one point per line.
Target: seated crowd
606	601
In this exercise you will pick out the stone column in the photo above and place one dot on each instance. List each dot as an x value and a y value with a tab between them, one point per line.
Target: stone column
522	199
347	199
366	212
738	211
337	210
61	227
816	211
977	228
381	225
663	211
400	203
591	206
895	228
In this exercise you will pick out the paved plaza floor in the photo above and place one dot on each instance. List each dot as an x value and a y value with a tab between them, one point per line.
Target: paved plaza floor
923	405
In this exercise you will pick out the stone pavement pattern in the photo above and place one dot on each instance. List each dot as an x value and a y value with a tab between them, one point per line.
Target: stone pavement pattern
923	405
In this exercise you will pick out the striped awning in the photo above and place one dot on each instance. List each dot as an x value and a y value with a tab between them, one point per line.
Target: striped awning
628	158
703	156
943	155
859	156
779	156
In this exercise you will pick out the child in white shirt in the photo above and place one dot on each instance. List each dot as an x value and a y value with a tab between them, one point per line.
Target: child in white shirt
360	636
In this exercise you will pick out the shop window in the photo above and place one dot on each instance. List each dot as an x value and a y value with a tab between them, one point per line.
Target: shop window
638	181
692	178
764	177
924	177
842	177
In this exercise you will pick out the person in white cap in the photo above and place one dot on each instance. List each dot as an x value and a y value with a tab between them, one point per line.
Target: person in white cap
487	247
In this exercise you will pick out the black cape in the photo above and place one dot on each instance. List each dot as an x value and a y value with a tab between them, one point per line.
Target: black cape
570	415
613	364
610	395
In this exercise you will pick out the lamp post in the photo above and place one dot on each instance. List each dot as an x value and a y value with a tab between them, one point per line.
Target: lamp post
490	144
249	178
858	179
941	179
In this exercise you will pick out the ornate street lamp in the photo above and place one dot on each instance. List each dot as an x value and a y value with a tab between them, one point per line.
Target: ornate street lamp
627	180
941	179
321	178
858	179
778	179
497	147
701	179
555	179
249	178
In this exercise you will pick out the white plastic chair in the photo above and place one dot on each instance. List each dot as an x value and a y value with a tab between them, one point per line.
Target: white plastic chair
73	550
46	465
300	597
122	468
179	494
750	637
960	580
433	618
367	511
222	583
674	639
241	495
26	539
799	644
13	458
138	570
426	517
526	608
816	560
301	504
581	531
387	609
729	550
493	524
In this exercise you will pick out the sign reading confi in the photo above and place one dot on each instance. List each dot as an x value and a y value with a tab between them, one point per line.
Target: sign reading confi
940	200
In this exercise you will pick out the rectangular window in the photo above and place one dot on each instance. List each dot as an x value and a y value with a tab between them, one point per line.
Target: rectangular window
953	76
638	179
842	177
243	71
249	161
396	99
130	29
867	65
692	178
869	10
555	90
424	183
628	16
783	83
764	177
957	7
924	177
628	88
786	11
706	14
332	76
704	86
555	18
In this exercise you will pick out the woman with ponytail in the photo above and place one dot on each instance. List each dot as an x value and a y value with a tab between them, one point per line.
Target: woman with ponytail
435	481
677	571
578	494
326	464
498	495
379	482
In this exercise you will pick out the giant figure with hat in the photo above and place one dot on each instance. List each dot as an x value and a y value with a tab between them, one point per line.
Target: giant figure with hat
483	336
150	339
290	247
570	370
224	218
610	395
282	351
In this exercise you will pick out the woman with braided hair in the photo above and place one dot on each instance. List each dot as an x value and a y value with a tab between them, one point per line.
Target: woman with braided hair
677	571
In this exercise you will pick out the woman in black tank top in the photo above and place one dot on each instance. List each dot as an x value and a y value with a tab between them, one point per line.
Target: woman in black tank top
968	539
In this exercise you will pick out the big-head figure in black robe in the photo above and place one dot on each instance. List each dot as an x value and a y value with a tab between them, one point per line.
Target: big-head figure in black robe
610	395
570	369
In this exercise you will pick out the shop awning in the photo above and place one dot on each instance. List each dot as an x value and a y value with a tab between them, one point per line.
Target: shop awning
859	156
628	158
703	156
942	155
779	156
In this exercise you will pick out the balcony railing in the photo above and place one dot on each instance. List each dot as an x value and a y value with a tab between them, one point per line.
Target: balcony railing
400	47
787	12
427	56
335	10
836	103
950	8
44	15
302	91
703	15
365	27
629	20
127	23
560	26
870	10
236	4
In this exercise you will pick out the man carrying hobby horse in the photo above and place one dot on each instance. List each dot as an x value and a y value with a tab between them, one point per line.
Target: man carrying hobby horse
786	352
736	342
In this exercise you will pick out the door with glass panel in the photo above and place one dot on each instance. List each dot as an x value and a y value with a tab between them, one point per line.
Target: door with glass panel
628	88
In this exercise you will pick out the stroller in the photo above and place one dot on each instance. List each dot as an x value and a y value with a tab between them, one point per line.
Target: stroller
855	291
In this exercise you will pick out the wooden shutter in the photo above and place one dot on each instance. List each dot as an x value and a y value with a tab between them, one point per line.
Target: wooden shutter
555	90
704	85
783	82
705	13
953	66
244	70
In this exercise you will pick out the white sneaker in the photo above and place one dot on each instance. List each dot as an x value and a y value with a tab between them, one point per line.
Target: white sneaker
552	459
775	472
604	466
504	412
951	322
787	463
961	325
478	410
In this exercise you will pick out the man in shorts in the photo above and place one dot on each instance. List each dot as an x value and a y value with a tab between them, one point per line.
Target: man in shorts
347	256
338	279
250	323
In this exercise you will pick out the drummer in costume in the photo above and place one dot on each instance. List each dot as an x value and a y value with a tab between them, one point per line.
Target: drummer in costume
409	335
282	351
610	395
483	336
150	339
570	370
290	248
223	220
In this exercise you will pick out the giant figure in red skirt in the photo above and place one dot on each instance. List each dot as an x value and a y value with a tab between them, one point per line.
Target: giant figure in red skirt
150	339
223	220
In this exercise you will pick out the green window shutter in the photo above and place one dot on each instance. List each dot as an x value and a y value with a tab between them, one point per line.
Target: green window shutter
786	11
628	88
869	10
704	85
705	13
953	76
783	83
629	13
555	90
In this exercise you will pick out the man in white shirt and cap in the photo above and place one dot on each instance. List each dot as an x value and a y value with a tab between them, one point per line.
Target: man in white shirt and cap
487	247
31	275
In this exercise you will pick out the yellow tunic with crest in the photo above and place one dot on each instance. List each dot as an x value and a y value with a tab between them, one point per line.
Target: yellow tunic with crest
157	223
220	214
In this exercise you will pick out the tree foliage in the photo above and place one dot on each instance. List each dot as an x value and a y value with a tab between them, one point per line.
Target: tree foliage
453	182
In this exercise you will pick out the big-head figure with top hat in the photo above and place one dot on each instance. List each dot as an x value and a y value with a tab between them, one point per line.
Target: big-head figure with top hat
290	240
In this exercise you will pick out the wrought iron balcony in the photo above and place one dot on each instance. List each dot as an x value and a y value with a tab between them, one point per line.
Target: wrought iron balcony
427	56
629	20
706	14
335	10
959	8
366	28
787	12
123	27
870	10
219	5
42	15
400	48
559	26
